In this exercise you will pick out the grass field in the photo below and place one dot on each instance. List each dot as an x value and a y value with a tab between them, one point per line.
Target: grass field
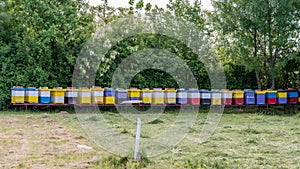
241	140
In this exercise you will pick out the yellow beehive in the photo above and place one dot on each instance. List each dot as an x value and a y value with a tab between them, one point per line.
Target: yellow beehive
238	94
17	94
97	95
216	97
158	96
58	95
84	96
170	96
109	96
146	96
31	95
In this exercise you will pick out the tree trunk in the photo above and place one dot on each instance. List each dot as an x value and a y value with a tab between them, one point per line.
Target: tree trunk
105	5
258	80
273	62
254	56
273	81
270	47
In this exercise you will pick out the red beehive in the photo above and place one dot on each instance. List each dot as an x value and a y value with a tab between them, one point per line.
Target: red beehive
226	97
292	96
271	97
238	97
193	97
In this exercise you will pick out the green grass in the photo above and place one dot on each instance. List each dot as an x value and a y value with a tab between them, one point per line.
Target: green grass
241	140
156	121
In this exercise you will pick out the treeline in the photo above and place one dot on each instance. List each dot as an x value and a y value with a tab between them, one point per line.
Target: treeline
257	42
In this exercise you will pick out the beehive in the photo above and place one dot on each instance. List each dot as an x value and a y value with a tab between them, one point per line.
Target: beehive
71	95
17	94
216	97
181	96
58	95
238	97
193	97
170	96
121	95
249	96
84	96
271	96
292	96
109	96
205	97
44	95
157	96
146	96
226	97
260	97
31	95
281	96
97	94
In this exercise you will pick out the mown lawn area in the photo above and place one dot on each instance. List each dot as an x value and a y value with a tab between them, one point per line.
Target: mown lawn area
241	140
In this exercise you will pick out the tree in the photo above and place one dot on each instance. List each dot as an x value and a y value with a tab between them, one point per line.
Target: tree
105	13
126	47
43	41
261	35
191	12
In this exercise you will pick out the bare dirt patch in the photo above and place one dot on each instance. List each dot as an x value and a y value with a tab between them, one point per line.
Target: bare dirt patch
42	141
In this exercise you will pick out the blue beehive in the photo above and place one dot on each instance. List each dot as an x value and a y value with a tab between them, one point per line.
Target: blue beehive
260	97
271	96
292	96
282	97
249	96
205	97
109	96
181	96
121	95
44	95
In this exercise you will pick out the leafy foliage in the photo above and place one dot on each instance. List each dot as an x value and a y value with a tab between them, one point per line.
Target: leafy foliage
154	78
260	35
257	41
42	40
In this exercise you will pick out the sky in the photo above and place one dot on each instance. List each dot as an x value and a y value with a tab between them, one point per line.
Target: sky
206	4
